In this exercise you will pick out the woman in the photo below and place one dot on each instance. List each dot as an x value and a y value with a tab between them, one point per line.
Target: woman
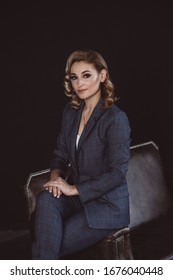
94	140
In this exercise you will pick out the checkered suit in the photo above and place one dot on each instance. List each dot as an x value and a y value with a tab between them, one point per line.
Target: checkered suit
100	163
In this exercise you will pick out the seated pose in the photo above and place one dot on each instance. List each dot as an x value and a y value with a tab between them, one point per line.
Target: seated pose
94	140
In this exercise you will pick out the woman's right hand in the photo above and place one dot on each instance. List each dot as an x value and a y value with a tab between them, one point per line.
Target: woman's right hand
54	175
54	190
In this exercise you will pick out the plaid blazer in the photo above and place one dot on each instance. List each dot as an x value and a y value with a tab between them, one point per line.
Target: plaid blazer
100	163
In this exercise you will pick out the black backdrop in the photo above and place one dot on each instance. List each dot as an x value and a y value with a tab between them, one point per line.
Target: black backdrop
36	39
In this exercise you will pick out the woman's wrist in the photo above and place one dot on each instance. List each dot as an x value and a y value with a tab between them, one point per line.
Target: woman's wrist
74	190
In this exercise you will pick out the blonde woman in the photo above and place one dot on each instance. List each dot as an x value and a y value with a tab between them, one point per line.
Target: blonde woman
94	140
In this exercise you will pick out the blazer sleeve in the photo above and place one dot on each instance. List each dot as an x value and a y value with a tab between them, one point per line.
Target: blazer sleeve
118	153
60	158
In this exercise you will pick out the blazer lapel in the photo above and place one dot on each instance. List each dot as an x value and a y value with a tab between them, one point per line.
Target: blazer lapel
74	131
97	112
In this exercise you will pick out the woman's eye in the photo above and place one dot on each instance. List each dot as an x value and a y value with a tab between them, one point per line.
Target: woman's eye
86	76
73	78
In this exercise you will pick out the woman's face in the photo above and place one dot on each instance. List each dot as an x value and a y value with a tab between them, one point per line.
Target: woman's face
85	79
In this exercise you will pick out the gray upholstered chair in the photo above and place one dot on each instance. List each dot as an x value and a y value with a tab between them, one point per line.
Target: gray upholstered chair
149	235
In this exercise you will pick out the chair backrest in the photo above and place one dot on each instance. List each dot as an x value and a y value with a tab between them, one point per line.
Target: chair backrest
149	195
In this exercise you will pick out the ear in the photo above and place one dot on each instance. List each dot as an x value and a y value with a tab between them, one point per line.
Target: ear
103	74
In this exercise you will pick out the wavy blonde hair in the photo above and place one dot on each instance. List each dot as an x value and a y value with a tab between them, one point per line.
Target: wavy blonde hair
94	58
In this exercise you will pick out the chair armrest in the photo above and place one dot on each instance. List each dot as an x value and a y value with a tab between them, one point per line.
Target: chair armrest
117	245
34	186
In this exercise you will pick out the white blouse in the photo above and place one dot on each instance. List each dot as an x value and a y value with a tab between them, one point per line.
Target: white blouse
77	140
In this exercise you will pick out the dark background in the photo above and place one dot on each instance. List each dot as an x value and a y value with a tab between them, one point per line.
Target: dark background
36	38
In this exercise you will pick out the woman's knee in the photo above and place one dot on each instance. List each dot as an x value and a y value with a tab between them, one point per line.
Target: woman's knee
43	198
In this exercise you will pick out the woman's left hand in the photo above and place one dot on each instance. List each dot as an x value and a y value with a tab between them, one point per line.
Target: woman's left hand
63	186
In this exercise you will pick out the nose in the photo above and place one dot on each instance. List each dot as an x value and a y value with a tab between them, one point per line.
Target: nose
80	82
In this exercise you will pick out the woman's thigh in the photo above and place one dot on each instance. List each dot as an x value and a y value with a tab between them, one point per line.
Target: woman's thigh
77	235
65	205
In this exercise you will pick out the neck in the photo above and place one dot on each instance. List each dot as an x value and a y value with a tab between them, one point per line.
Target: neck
90	103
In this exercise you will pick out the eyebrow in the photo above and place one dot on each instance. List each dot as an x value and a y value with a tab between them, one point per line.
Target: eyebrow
83	72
